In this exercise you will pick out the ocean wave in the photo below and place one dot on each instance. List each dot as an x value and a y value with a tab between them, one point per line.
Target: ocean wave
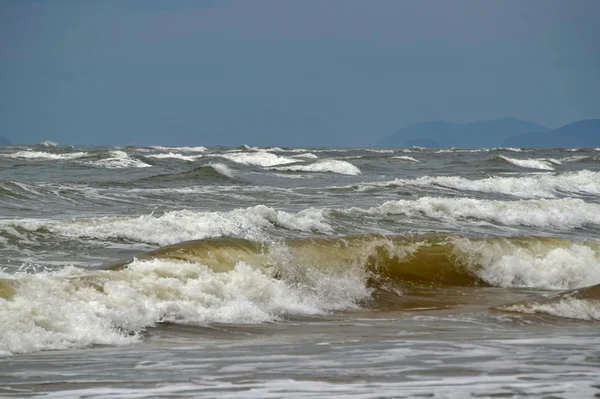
308	155
231	280
438	259
405	158
580	304
177	226
80	308
208	172
48	143
580	309
583	182
184	149
41	155
175	155
259	158
329	165
542	163
118	160
567	213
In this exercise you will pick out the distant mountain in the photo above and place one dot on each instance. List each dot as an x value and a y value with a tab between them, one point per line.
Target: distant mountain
4	141
577	134
476	134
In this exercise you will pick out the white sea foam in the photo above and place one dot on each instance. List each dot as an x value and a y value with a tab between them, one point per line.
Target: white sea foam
44	155
405	158
541	264
543	164
379	151
175	155
184	149
329	165
566	213
570	308
534	186
177	226
308	155
258	158
76	308
118	160
48	143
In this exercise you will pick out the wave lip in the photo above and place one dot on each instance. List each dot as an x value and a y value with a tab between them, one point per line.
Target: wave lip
329	165
258	158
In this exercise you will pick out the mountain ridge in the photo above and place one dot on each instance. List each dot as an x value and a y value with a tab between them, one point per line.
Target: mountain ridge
485	133
580	134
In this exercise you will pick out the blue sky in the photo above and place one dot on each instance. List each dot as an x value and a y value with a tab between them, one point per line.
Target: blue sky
272	72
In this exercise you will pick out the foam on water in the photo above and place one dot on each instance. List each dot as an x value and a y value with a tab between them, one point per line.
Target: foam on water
535	186
258	158
44	155
175	155
177	226
542	164
73	307
118	160
566	213
329	165
48	143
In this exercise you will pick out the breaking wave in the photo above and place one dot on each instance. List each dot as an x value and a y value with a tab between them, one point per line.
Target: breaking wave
566	213
233	280
118	160
175	155
583	182
542	164
330	165
41	155
258	158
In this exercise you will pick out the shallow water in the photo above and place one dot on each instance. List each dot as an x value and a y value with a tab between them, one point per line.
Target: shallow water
266	272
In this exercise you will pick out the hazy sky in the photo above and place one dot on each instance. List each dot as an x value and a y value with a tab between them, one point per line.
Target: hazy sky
273	72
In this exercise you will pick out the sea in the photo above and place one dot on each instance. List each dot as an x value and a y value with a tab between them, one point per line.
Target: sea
268	272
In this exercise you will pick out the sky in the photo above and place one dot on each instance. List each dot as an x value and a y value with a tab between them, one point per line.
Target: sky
289	73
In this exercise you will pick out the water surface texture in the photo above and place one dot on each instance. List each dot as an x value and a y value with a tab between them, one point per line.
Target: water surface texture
187	272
